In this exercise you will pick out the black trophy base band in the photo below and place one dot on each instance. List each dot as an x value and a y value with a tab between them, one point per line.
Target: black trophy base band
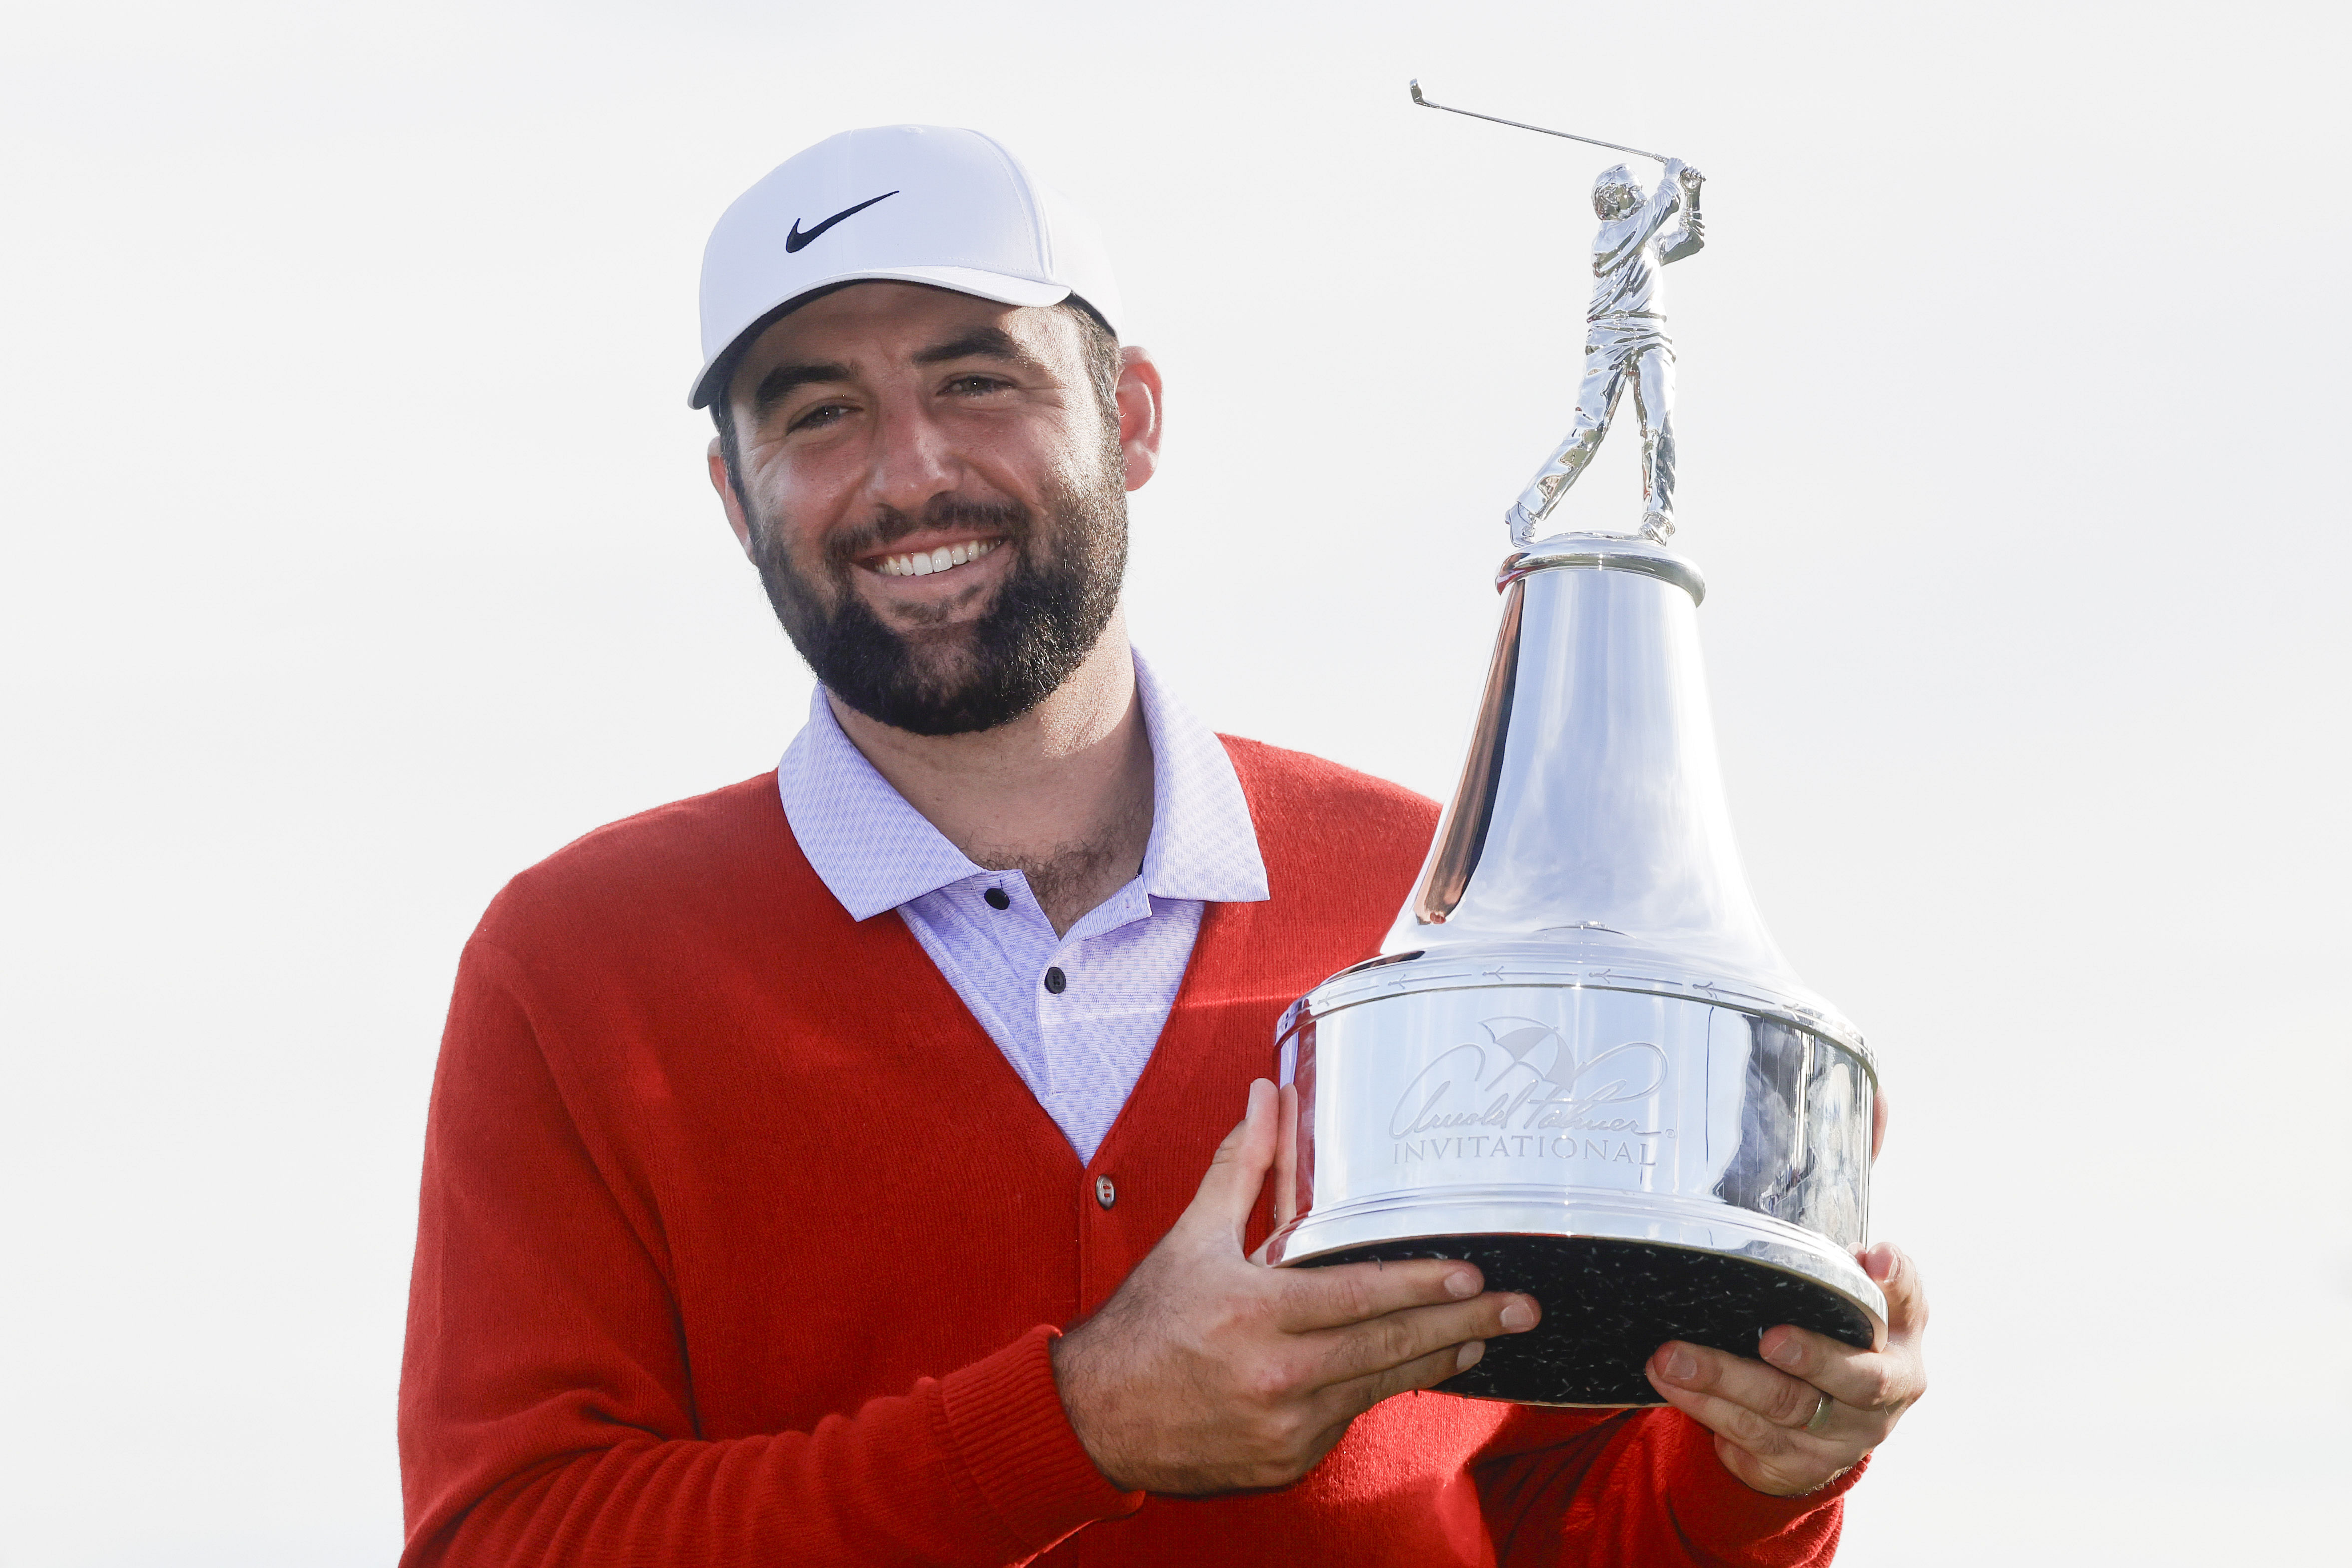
1608	1305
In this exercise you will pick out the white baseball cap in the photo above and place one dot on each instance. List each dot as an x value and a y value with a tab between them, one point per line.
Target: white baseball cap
922	203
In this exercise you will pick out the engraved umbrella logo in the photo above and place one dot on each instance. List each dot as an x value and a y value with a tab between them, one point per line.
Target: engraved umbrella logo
1526	1079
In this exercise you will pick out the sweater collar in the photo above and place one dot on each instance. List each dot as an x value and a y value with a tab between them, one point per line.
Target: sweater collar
874	852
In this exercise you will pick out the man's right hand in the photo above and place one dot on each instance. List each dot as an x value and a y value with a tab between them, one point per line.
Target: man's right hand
1208	1372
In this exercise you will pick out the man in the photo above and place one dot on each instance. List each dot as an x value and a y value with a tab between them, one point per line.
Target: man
815	1167
1625	344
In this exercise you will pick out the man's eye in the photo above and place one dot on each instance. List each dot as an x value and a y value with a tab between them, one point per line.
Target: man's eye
822	414
976	385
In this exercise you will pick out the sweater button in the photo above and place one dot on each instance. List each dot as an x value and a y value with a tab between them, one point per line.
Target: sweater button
1105	1193
1057	982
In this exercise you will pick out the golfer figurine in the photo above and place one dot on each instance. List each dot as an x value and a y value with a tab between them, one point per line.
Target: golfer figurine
1625	343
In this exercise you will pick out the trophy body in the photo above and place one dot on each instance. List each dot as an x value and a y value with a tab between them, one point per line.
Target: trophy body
1581	1061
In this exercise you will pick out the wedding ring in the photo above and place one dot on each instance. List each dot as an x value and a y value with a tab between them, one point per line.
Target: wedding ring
1821	1415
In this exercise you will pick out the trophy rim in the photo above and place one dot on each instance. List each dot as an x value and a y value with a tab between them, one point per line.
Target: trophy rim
1571	974
1613	552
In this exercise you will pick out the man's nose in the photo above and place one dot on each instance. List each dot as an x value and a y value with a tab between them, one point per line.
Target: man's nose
913	459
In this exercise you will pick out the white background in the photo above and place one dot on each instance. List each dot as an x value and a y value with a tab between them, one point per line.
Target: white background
358	554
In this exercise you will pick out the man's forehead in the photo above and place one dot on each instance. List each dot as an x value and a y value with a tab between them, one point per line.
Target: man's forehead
881	321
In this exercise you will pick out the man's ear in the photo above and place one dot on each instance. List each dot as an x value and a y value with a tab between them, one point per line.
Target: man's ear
724	482
1140	408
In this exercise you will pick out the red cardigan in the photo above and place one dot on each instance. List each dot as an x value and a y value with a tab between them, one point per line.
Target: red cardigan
743	1244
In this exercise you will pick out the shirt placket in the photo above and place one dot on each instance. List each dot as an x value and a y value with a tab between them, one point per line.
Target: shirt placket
1011	920
1069	997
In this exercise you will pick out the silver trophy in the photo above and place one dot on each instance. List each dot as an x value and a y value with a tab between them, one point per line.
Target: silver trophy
1579	1062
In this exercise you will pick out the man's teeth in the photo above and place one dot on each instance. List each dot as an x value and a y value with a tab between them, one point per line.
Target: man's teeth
922	564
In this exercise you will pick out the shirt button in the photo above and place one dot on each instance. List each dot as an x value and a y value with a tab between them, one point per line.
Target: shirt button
1057	982
997	899
1105	1193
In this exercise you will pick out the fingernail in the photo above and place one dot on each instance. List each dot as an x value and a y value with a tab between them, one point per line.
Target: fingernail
1462	1287
1681	1364
1467	1356
1519	1315
1885	1262
1788	1353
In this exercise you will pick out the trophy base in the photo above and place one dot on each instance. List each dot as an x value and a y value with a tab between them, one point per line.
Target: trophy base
1608	1305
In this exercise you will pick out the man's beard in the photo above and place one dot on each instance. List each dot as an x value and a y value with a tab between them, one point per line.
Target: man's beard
1049	609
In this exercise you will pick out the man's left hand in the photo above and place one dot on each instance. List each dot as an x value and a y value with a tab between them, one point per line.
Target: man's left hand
1790	1431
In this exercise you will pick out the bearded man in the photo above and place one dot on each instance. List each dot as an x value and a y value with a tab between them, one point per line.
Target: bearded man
814	1170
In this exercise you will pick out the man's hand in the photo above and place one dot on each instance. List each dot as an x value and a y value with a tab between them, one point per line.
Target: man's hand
1208	1372
1691	179
1772	1428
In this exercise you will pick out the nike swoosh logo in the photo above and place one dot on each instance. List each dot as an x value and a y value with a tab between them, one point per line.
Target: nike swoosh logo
794	240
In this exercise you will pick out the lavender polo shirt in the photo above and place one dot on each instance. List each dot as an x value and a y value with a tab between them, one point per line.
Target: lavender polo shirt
1076	1015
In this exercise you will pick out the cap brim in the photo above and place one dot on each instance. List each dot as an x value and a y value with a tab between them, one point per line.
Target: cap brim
997	285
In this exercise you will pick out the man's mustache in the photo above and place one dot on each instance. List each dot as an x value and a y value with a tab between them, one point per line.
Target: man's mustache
890	525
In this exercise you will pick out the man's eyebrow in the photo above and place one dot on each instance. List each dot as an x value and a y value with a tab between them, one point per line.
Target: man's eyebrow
979	343
778	383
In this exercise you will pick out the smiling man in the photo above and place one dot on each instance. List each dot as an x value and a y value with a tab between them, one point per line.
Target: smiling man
840	1168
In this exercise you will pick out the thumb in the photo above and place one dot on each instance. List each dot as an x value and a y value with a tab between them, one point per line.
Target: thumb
1906	1299
1237	1172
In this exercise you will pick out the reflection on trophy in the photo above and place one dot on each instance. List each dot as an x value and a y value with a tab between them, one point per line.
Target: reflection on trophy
1579	1062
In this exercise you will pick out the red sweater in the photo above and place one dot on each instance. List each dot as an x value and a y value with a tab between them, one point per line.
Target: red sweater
743	1244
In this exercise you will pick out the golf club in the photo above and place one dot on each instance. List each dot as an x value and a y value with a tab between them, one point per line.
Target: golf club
1568	135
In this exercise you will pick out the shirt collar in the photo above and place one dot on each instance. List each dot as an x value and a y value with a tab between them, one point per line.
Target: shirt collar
874	852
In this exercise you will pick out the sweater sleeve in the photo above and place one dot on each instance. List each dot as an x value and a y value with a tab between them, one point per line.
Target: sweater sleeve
1646	1491
547	1406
